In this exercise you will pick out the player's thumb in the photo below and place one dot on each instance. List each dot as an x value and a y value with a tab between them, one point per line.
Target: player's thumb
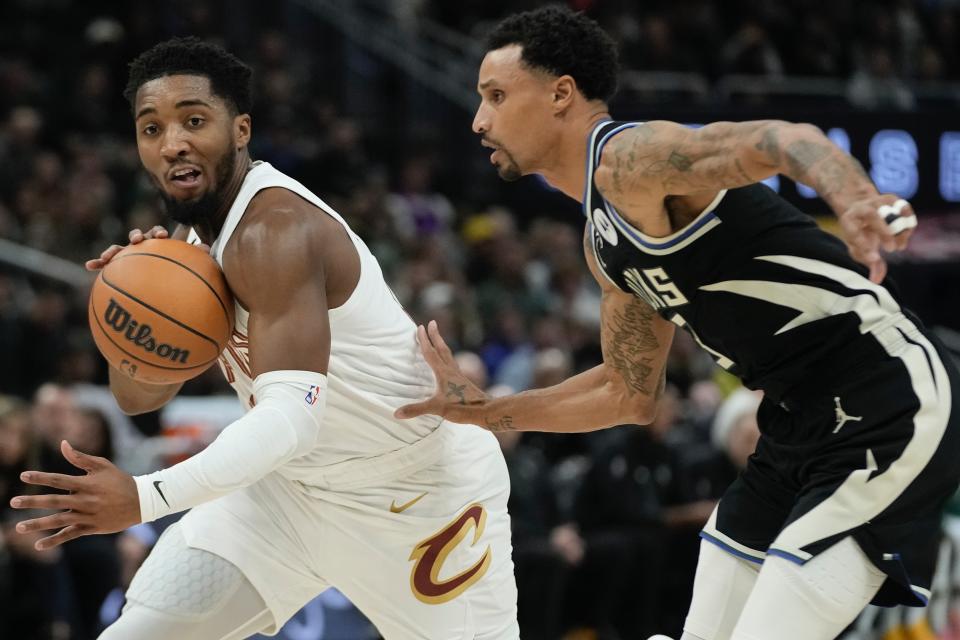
76	458
413	410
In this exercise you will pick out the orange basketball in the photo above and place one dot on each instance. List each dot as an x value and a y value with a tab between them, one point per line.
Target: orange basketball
161	311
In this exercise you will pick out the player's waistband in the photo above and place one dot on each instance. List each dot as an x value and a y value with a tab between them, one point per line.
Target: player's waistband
360	472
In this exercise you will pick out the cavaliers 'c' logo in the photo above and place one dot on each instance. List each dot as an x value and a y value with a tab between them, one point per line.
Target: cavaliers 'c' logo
430	554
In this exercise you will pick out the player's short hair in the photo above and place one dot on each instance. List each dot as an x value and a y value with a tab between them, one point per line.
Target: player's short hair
230	78
562	42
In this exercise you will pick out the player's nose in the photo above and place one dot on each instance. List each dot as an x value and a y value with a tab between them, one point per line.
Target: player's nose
481	123
173	144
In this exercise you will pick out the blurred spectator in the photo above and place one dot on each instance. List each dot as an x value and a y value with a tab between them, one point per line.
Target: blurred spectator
876	85
36	597
545	546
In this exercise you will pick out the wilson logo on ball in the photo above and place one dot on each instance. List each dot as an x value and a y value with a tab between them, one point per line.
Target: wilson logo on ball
118	319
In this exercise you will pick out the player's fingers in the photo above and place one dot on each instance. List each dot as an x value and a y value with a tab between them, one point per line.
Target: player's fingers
903	239
415	409
55	521
429	351
55	480
94	265
878	270
80	459
64	535
43	501
439	343
156	232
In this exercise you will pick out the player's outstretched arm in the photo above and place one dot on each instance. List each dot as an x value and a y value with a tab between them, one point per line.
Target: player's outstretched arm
623	390
642	165
659	158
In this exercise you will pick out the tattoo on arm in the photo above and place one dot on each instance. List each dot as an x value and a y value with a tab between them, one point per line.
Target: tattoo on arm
628	336
825	168
680	161
503	423
803	154
770	144
457	391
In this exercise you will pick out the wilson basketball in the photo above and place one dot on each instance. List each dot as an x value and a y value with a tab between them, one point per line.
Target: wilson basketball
160	311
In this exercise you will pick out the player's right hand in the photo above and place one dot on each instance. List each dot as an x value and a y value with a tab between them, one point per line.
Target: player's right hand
136	236
879	222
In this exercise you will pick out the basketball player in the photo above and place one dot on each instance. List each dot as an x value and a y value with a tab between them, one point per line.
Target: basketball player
318	484
840	505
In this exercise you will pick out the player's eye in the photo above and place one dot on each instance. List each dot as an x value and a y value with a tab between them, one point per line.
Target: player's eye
497	96
195	121
151	130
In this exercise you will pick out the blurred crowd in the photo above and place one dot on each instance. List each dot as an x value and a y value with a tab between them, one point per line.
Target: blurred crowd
913	39
605	525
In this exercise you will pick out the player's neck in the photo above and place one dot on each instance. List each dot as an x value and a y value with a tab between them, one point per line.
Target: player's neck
209	230
565	171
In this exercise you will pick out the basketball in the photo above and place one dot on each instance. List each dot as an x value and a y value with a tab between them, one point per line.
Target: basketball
161	311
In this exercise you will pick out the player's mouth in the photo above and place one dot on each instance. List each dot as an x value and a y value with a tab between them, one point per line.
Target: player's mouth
185	177
490	145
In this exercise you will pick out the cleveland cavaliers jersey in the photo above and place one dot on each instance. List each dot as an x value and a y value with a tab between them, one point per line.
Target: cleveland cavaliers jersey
775	299
375	361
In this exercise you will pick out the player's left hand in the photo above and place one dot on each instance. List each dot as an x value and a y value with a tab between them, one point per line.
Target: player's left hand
456	398
879	222
105	500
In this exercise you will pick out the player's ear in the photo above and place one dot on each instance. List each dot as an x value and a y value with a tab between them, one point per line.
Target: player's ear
242	128
564	90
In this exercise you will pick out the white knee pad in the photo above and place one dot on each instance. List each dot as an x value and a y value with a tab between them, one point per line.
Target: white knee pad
721	588
189	594
183	581
814	601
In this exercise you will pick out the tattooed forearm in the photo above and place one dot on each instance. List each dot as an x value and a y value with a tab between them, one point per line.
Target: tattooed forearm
457	391
680	161
503	423
770	144
627	339
803	154
836	176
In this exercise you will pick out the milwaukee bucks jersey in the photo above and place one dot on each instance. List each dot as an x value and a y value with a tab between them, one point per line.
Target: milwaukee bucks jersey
756	282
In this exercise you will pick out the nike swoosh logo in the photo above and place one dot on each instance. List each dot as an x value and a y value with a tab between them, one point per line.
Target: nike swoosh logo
156	485
394	508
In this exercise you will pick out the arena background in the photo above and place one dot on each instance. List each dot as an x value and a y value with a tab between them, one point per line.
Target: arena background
369	103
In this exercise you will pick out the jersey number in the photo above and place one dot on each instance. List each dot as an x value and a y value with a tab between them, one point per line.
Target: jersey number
655	287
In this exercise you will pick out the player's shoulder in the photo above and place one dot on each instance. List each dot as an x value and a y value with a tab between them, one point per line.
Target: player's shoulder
277	217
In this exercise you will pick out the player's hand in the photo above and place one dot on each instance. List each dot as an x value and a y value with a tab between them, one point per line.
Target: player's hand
105	500
456	398
136	237
880	222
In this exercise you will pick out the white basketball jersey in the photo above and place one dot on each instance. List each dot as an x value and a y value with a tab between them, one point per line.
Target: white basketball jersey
375	360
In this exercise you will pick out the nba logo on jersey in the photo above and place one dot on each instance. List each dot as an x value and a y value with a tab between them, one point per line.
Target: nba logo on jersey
312	395
604	226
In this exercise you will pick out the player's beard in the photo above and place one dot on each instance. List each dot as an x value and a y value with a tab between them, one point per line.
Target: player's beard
510	172
202	211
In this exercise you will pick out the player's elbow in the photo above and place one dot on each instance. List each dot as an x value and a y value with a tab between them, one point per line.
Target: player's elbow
632	406
640	409
133	408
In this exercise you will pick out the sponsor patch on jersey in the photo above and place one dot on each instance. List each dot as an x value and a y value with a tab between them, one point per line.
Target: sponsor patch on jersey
603	225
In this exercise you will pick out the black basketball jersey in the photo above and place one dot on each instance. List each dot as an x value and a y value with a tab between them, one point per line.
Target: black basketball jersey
775	299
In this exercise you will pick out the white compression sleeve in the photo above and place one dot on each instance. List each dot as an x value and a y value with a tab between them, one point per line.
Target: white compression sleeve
283	425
